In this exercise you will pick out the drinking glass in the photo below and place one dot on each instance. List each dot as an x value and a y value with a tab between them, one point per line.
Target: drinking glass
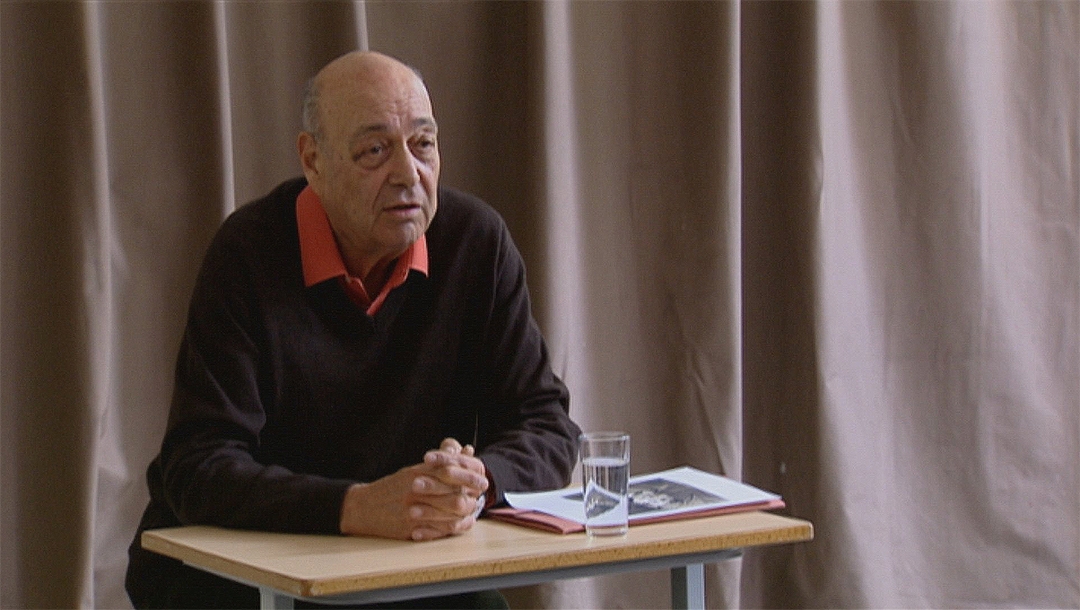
605	465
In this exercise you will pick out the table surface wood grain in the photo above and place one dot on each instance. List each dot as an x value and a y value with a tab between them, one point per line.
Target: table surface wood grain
314	566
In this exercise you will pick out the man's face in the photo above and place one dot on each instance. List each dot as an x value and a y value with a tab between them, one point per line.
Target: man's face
376	163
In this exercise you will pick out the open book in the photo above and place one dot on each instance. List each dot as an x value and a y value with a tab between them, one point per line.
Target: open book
680	493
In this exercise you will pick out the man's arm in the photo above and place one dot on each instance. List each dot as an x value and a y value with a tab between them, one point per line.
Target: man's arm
526	438
210	473
214	478
209	464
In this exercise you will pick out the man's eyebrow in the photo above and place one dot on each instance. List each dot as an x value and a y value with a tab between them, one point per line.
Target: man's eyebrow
366	130
420	123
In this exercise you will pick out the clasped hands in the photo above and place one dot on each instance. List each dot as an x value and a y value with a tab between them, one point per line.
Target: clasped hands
435	498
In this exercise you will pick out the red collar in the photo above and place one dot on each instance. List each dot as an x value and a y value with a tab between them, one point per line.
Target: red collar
321	257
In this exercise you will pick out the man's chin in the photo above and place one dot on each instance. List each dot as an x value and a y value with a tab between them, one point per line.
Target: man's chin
402	242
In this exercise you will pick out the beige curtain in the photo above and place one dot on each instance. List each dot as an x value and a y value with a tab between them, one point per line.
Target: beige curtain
830	248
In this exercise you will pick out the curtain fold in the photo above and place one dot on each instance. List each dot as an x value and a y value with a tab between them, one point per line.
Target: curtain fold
48	344
830	248
920	318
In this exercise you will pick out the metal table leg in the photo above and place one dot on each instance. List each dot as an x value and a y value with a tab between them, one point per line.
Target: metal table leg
688	586
272	600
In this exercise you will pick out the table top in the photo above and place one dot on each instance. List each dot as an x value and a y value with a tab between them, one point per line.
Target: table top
314	566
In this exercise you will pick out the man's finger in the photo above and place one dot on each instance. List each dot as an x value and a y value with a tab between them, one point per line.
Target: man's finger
451	481
426	533
450	445
443	509
431	486
441	459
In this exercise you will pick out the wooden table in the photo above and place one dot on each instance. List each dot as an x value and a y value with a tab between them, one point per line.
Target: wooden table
339	569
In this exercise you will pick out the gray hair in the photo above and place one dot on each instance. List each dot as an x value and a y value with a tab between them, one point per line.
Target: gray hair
310	110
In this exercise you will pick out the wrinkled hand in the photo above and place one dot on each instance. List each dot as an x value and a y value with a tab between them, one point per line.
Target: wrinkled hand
433	499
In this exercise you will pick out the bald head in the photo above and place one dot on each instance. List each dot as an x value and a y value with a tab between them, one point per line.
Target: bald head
361	68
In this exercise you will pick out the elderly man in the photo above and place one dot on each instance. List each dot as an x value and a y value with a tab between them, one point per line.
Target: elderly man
353	361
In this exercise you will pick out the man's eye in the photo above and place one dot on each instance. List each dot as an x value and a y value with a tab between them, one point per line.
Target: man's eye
425	145
370	155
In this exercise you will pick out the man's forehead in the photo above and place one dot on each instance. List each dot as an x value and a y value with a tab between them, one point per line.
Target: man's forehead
376	101
375	113
421	124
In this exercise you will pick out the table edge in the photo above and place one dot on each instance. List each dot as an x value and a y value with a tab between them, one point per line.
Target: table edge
794	530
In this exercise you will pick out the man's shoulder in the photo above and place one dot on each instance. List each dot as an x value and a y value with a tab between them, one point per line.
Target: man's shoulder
467	236
460	212
280	200
268	217
261	232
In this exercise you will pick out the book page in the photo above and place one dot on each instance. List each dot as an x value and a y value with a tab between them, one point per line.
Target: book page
659	494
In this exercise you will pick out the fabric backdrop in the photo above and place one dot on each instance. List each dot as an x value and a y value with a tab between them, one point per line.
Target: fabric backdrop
829	248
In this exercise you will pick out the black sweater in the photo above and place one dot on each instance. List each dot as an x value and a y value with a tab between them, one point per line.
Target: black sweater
286	395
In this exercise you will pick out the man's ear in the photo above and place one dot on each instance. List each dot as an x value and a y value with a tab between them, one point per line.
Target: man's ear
308	149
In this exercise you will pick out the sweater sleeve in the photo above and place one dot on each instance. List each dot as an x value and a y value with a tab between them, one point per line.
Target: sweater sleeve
209	466
527	440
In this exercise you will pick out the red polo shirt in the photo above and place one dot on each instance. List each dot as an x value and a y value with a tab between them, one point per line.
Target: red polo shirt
321	257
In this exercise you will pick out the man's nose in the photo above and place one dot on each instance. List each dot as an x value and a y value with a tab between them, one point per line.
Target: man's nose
403	167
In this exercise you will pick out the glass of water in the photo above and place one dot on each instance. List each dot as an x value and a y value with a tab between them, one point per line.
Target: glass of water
605	465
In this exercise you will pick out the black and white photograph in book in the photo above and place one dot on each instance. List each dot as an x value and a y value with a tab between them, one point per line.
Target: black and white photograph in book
654	495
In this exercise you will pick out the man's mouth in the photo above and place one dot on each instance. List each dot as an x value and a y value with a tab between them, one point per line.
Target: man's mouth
403	209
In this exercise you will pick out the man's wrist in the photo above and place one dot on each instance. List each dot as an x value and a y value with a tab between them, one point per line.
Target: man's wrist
348	503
